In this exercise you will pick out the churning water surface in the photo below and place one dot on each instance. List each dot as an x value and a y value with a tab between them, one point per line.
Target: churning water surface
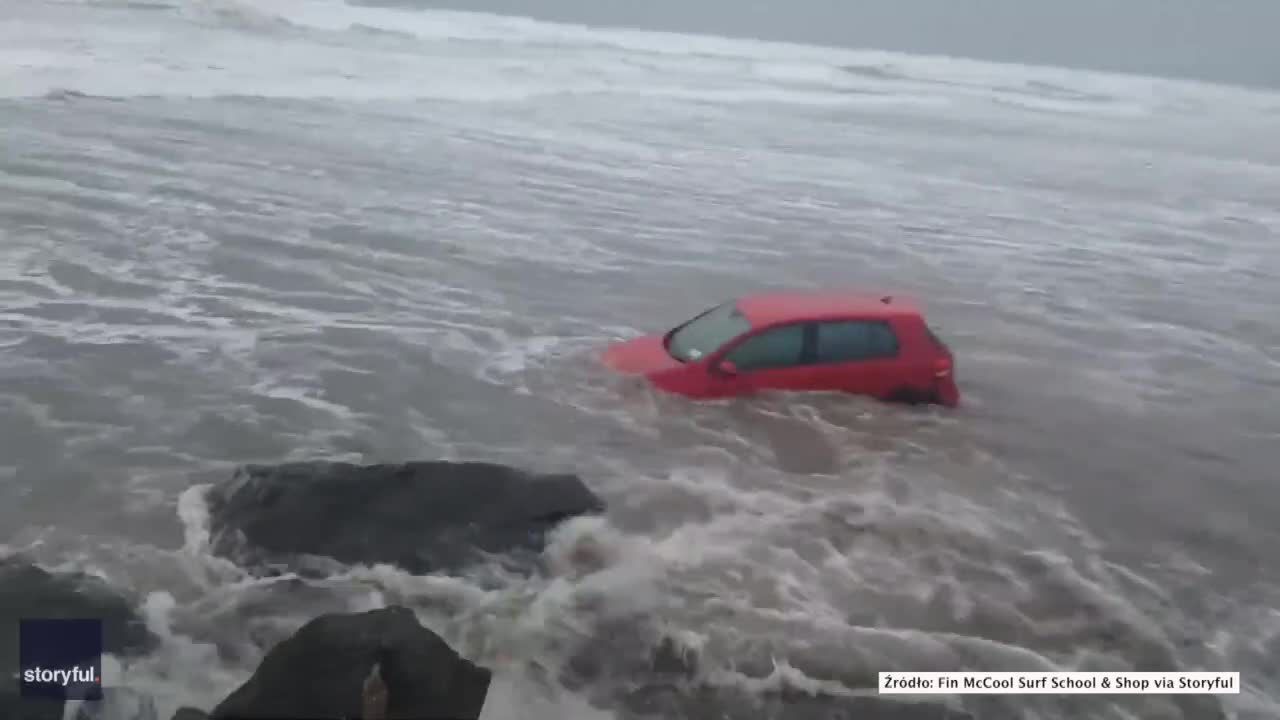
250	232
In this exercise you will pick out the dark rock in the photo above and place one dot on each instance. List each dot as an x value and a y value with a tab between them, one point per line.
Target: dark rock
15	707
421	516
27	591
320	672
190	713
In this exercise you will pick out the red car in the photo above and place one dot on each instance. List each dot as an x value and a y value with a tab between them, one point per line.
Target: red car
878	346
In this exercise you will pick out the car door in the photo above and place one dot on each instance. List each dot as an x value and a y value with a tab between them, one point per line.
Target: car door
772	359
858	356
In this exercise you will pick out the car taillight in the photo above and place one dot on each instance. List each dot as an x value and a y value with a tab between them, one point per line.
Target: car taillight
942	367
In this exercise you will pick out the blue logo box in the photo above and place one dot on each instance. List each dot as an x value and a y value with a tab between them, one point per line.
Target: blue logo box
60	659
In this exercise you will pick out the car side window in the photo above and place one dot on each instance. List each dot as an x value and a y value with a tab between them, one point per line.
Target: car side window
777	348
851	341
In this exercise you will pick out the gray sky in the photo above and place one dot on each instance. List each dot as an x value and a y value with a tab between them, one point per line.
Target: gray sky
1231	41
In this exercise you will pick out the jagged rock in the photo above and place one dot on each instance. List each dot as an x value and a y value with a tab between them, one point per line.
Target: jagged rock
28	591
321	671
421	516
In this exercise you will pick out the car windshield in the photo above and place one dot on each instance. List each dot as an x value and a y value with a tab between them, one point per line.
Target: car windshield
707	333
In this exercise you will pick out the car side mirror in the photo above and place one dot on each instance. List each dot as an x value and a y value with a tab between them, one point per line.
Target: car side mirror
727	368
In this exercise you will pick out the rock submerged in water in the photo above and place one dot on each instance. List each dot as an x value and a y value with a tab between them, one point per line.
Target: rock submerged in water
329	667
28	591
421	516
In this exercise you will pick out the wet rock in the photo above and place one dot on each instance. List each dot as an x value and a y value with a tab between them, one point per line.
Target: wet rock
325	669
421	516
15	707
28	591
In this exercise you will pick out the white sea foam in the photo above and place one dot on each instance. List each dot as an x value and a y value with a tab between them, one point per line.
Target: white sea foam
325	48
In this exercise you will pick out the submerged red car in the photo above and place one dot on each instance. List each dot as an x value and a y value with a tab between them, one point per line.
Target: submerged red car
872	345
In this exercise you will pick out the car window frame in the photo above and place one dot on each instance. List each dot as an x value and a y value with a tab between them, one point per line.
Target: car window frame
808	340
887	323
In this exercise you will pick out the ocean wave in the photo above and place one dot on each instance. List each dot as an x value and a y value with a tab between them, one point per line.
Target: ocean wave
330	49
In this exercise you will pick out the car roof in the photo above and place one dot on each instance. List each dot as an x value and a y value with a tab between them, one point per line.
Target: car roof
770	308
